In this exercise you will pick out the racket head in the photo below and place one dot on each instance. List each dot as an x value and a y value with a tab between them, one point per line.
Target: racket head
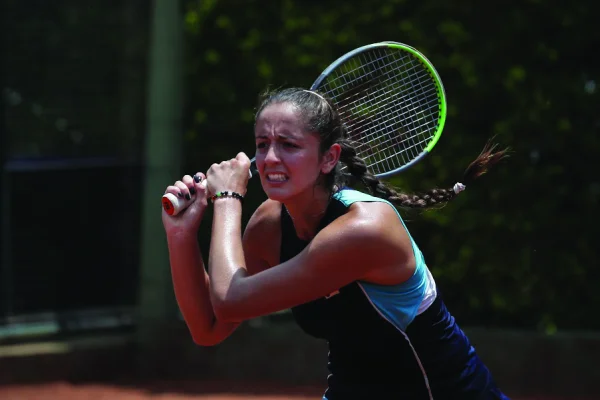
391	99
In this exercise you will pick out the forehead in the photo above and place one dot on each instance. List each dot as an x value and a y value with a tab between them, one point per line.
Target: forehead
279	116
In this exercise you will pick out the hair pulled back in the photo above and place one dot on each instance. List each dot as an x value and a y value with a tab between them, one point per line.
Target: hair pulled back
320	116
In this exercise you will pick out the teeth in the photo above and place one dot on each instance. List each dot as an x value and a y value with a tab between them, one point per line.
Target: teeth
277	177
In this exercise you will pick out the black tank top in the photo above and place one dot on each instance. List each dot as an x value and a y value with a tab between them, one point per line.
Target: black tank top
370	359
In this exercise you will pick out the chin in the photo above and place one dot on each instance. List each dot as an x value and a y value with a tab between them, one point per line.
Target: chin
278	195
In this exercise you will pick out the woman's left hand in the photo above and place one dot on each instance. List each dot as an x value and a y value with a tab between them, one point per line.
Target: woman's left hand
229	175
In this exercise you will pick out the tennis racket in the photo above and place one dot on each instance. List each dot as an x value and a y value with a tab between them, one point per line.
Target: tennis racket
392	100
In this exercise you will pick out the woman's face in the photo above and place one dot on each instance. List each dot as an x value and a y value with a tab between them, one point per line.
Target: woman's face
288	158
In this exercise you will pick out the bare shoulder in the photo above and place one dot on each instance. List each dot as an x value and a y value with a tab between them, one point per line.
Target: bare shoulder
262	235
371	233
375	219
266	217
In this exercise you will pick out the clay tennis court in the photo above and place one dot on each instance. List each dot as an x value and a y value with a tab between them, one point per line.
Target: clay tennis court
158	391
176	391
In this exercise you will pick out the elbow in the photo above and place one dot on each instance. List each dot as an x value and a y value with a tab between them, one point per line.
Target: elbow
232	304
206	340
206	337
227	311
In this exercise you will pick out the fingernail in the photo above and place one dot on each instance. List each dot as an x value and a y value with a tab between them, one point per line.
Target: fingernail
180	195
187	196
197	178
193	190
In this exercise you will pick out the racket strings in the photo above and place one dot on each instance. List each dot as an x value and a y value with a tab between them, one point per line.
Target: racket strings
403	79
345	106
431	91
390	73
399	119
390	141
395	106
387	159
390	116
357	66
392	107
412	144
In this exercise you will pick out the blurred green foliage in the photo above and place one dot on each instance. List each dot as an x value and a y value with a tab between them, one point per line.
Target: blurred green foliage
515	250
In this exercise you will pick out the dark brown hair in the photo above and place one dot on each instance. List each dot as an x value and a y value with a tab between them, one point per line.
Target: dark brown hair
320	116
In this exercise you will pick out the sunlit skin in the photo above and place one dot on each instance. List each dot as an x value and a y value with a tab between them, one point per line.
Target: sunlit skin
245	277
290	163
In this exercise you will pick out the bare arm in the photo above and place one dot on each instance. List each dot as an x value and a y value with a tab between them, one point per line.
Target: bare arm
192	283
350	248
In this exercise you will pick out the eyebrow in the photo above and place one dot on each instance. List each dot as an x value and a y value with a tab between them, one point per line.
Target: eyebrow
281	136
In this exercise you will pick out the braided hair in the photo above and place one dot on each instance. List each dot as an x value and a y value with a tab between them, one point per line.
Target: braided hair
320	116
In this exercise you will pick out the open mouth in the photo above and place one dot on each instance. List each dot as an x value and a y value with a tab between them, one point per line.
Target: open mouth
277	178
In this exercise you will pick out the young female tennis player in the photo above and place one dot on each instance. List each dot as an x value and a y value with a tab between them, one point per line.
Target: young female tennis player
340	258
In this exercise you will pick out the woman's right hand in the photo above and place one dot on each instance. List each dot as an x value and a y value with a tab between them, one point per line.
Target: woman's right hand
193	191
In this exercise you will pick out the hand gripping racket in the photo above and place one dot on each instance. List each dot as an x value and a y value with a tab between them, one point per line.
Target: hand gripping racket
392	100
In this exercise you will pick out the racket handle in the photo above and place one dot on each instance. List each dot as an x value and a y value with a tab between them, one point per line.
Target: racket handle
173	205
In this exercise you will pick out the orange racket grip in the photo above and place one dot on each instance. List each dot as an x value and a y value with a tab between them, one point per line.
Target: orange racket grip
172	205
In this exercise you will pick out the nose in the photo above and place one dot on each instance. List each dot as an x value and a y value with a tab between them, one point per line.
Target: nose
272	157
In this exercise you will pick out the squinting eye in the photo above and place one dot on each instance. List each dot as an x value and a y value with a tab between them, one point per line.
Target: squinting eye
261	145
287	144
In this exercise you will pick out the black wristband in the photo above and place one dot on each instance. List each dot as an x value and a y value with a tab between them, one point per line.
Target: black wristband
235	195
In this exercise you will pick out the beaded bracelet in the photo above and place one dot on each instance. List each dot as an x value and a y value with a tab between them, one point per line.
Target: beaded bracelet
227	194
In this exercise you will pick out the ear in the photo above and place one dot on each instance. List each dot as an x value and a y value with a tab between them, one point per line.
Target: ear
331	158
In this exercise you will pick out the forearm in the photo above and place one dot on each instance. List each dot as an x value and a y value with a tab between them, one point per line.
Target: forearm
226	259
191	285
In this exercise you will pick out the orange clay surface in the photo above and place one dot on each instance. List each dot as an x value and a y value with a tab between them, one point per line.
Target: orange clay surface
170	391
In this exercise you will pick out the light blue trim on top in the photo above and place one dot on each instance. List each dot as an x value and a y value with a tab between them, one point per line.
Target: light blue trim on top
396	303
